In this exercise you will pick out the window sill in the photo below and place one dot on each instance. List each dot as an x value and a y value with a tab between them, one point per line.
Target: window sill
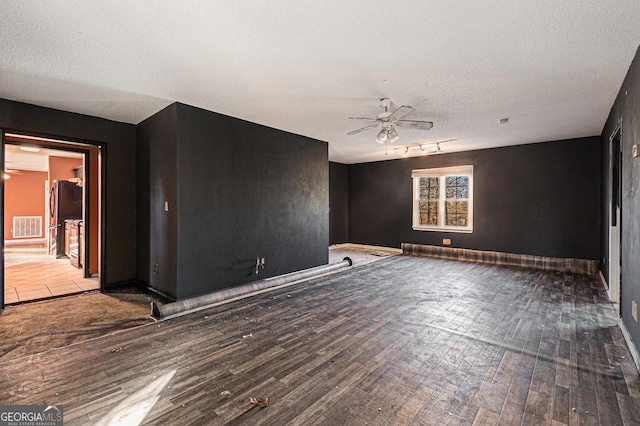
444	229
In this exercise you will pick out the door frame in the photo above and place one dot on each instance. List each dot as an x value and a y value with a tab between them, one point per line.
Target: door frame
615	217
2	179
41	140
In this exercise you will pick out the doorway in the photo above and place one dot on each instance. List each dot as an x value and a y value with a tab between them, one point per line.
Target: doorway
50	218
615	229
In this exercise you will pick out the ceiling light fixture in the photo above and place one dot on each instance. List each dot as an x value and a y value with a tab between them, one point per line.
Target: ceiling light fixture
29	149
424	149
392	135
382	136
503	120
428	148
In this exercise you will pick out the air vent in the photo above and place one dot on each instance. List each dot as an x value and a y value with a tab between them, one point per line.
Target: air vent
27	226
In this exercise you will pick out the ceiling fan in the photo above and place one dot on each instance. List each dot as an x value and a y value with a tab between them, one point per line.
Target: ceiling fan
388	120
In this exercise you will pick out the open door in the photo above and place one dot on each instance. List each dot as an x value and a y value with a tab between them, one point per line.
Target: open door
615	229
60	253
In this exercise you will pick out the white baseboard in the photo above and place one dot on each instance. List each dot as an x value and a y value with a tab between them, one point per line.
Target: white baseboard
25	241
604	282
632	348
366	247
616	305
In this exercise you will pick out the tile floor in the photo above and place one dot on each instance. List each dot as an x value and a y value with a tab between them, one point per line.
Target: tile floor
34	276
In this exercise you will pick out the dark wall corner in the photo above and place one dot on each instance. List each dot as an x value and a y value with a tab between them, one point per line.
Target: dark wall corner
626	108
338	203
156	171
236	191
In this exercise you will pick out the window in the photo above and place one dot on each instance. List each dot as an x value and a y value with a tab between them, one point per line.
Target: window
443	199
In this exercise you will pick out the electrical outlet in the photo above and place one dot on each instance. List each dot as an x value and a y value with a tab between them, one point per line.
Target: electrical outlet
634	150
259	264
634	310
446	241
156	269
166	206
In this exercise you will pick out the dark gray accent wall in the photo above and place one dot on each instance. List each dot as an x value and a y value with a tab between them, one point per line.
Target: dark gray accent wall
239	191
119	197
156	164
627	108
338	203
539	199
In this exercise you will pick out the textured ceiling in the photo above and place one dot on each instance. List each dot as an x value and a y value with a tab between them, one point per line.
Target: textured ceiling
553	67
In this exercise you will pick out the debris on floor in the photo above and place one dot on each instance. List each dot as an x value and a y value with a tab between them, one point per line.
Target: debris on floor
260	402
120	349
226	394
70	319
247	335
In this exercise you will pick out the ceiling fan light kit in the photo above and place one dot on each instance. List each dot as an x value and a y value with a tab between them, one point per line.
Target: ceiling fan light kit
392	135
388	120
387	134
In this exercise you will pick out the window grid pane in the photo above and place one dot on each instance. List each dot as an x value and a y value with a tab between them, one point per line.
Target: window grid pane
428	212
429	188
428	204
457	187
456	206
457	213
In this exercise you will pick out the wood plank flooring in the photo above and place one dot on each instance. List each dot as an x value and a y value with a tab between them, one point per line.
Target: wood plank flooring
402	341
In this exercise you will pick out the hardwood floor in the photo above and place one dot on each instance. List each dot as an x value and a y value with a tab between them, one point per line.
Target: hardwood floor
400	341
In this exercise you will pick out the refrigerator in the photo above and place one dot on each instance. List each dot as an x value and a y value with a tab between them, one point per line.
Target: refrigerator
65	202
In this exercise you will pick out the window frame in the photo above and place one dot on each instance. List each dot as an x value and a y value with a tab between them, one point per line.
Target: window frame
442	173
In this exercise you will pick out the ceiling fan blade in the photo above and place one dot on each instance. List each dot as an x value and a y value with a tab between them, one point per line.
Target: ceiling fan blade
399	113
371	126
363	118
415	124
